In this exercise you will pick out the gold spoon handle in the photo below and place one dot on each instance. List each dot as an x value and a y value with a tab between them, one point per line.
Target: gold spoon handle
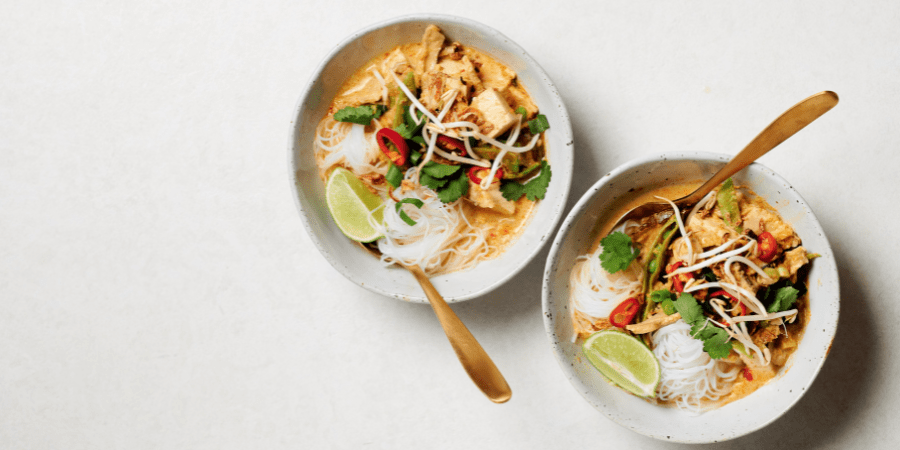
474	359
785	126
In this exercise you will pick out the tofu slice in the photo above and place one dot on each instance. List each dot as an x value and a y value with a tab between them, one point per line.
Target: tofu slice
493	74
367	90
517	97
495	111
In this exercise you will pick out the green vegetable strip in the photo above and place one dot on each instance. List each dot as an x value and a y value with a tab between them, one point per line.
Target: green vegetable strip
655	260
728	205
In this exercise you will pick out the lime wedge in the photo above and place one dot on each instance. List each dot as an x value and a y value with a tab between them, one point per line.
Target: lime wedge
624	360
351	203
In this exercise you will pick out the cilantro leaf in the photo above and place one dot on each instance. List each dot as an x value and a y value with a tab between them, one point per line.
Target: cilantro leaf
394	176
359	114
455	188
405	217
539	124
534	189
438	170
784	299
449	182
617	252
689	309
716	343
521	111
431	182
715	340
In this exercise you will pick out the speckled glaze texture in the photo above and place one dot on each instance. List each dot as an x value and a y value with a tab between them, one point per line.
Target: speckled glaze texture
349	258
738	418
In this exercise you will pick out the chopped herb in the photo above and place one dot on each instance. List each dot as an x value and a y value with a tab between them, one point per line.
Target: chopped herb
539	124
449	182
534	189
784	299
359	114
394	176
438	170
782	295
412	201
456	188
521	111
418	140
715	339
617	252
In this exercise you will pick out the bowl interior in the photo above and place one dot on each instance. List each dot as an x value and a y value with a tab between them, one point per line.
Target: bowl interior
349	258
753	412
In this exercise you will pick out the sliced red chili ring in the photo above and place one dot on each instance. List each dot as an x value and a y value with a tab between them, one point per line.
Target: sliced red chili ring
624	313
452	144
766	246
399	151
474	170
678	281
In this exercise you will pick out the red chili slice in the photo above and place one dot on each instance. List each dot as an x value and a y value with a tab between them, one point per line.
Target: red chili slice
678	281
474	170
747	374
623	314
399	151
766	246
452	144
731	298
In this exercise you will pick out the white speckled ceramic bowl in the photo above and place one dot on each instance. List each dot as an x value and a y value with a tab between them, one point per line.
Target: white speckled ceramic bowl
738	418
349	258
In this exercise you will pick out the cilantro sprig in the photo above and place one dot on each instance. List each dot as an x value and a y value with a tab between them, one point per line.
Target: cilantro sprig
535	188
617	252
539	124
782	295
359	114
715	339
448	182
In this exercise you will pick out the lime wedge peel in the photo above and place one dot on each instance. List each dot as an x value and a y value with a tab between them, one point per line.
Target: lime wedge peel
624	360
353	206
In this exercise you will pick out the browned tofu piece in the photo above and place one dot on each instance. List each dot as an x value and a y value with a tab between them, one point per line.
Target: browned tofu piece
518	98
495	112
464	70
366	91
492	73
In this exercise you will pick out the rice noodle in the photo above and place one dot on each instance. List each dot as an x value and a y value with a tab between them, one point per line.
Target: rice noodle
688	376
595	292
442	240
348	144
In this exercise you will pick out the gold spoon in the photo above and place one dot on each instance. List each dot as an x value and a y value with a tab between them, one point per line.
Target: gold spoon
785	126
474	359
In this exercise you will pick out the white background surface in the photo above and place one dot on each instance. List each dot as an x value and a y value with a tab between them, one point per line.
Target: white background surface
157	289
